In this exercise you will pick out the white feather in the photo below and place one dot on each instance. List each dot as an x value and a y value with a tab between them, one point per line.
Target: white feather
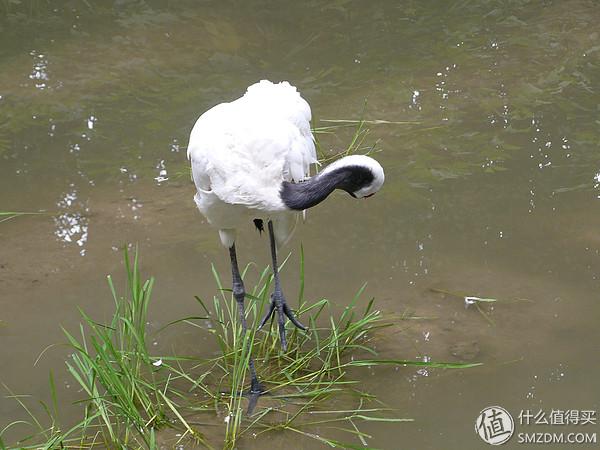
242	151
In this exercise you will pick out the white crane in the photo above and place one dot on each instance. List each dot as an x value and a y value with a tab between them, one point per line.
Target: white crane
251	160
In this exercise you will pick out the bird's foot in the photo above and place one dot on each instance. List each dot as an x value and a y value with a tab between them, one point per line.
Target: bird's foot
256	390
279	304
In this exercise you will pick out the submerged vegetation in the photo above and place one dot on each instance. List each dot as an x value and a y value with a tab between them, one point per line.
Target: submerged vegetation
98	98
132	398
8	215
469	74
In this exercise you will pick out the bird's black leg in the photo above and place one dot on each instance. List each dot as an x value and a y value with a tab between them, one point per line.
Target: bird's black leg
256	388
277	299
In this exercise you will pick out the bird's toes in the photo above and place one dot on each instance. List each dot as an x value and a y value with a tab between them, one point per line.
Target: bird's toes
290	315
267	316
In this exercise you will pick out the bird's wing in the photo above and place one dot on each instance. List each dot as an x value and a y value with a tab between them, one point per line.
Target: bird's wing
301	154
280	102
243	158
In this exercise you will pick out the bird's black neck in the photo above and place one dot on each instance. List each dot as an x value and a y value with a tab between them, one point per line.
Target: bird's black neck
304	195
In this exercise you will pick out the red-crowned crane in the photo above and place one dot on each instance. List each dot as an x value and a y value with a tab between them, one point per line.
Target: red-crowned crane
251	161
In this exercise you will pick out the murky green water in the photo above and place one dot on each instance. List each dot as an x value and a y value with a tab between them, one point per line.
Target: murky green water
494	193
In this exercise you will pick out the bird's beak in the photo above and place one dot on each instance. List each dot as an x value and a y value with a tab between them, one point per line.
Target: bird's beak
370	195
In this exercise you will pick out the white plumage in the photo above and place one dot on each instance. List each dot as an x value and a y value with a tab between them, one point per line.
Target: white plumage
249	158
242	151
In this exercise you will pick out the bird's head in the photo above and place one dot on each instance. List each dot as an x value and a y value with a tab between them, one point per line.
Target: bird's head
358	175
363	175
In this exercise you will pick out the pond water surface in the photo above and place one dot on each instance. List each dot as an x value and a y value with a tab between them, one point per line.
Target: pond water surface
493	192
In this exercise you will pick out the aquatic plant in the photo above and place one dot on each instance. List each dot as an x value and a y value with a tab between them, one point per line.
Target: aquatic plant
132	397
8	215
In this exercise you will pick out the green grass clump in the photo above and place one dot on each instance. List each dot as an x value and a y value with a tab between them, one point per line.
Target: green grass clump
298	381
133	398
115	370
306	380
127	393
